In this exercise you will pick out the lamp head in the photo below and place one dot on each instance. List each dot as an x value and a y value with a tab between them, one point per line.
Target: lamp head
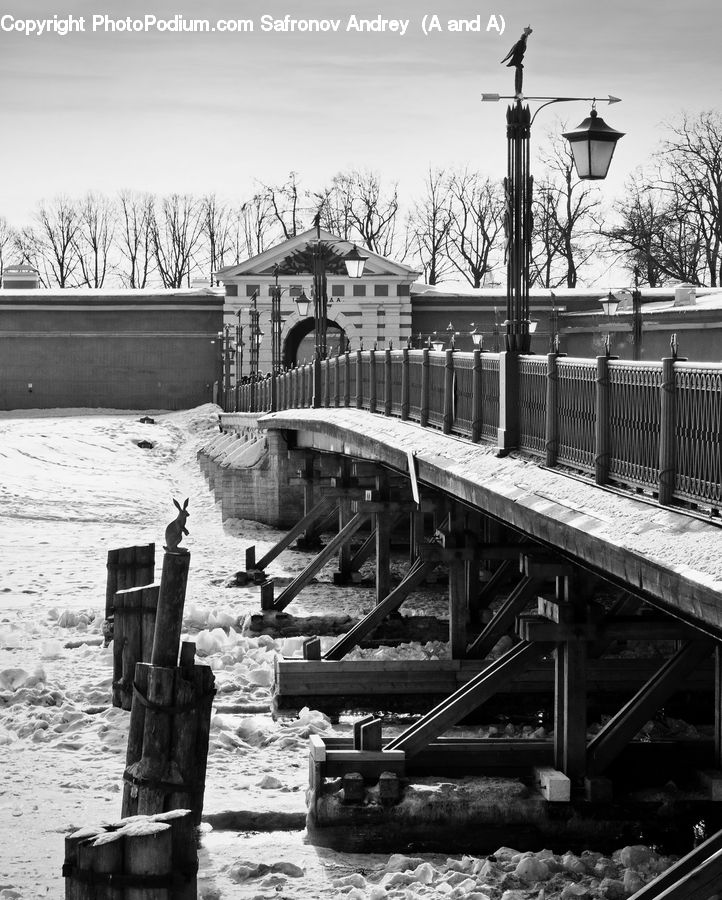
355	262
592	144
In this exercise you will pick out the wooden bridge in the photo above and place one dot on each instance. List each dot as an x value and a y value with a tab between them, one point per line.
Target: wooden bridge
603	474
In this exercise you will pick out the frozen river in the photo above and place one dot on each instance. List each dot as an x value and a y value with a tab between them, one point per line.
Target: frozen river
74	484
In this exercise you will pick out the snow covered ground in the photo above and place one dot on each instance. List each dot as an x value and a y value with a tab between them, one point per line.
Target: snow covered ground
74	484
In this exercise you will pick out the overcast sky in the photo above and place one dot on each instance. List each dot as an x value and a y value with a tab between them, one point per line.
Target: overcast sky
213	112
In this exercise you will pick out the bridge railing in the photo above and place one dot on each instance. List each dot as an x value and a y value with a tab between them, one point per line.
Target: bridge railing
654	427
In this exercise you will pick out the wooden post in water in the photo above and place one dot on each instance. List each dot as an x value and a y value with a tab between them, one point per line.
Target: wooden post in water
170	715
134	628
169	619
127	567
136	858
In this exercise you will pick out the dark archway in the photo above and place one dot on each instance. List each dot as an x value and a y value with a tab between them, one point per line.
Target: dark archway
299	344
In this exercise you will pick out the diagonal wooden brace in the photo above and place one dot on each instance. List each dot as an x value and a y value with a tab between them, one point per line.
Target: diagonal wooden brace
322	508
504	619
621	728
319	561
468	698
418	571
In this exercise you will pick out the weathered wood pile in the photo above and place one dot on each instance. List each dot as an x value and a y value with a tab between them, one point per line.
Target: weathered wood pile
131	602
138	858
171	712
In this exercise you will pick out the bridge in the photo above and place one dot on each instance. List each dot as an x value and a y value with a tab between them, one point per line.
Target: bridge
543	479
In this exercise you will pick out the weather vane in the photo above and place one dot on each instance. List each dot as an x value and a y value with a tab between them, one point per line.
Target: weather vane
516	57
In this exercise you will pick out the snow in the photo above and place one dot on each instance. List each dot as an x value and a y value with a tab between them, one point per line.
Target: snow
74	484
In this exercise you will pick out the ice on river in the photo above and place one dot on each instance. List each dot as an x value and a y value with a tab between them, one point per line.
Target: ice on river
74	484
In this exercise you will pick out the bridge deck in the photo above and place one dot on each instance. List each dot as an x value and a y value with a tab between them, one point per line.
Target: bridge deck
672	559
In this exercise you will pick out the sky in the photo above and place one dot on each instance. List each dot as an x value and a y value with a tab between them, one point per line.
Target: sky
167	111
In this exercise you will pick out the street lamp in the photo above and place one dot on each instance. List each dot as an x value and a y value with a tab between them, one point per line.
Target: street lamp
592	145
354	262
627	301
477	338
253	313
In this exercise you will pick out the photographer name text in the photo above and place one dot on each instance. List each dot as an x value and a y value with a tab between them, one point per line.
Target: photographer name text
102	23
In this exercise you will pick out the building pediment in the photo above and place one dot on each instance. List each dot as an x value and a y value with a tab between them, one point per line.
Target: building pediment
294	256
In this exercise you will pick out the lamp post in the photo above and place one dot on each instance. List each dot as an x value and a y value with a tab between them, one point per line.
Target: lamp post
592	144
253	315
354	262
239	347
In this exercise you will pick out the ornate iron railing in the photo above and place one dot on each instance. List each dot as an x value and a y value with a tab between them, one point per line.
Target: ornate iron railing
576	413
650	426
698	432
532	404
634	416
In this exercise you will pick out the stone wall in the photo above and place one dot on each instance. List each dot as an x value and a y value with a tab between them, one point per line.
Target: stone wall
248	470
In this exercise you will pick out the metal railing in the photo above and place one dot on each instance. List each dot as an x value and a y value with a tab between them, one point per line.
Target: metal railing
651	427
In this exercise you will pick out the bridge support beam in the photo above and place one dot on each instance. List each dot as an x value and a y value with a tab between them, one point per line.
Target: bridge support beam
620	730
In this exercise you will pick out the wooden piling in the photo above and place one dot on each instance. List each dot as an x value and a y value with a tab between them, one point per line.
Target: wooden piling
148	851
148	613
72	845
127	567
169	619
153	769
182	744
103	856
134	751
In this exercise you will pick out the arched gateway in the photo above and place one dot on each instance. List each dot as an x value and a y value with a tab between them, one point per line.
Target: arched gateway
374	309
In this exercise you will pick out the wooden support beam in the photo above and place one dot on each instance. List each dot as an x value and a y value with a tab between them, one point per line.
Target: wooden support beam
418	572
504	618
620	730
357	726
324	506
694	877
625	605
416	533
468	698
319	561
368	548
718	706
535	628
343	575
312	648
383	556
542	567
458	595
570	709
491	588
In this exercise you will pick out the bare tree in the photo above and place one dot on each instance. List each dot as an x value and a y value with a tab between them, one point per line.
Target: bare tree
52	242
218	238
7	240
94	239
670	219
136	215
335	202
285	204
254	221
566	214
428	225
475	225
176	231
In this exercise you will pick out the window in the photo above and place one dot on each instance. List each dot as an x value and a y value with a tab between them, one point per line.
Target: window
403	290
359	290
338	290
231	290
294	290
251	289
381	290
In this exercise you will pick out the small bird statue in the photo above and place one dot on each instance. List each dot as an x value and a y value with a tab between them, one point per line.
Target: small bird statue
516	56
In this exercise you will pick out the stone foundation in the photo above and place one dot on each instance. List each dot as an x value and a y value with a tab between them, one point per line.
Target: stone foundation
248	471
